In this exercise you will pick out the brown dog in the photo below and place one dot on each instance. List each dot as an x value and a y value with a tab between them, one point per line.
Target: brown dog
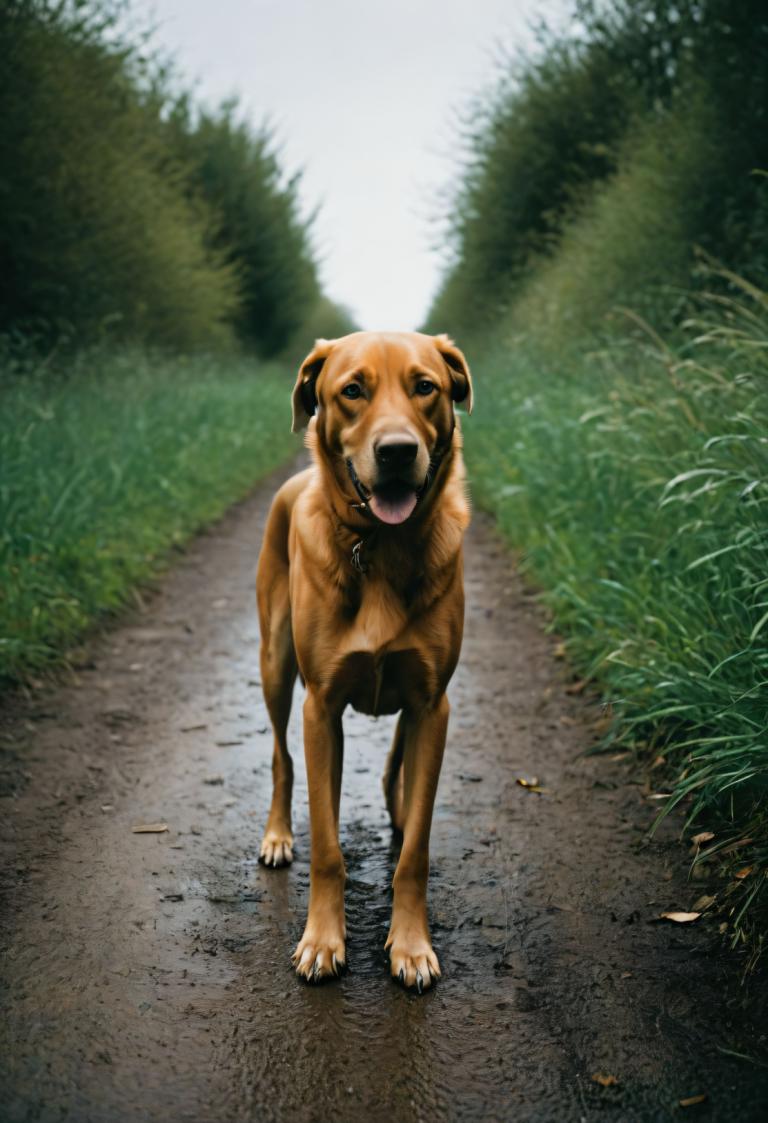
360	590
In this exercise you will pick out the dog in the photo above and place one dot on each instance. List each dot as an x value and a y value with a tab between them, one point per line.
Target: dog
360	592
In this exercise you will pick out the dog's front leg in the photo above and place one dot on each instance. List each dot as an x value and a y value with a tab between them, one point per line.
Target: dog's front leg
320	952
412	959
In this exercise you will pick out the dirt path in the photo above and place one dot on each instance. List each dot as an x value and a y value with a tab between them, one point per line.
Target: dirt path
146	976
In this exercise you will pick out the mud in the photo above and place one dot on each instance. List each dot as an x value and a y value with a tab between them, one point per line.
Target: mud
147	976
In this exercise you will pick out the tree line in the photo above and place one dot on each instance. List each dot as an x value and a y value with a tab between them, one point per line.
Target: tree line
128	211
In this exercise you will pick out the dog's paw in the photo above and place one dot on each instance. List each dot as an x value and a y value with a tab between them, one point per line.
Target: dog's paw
276	848
317	958
413	962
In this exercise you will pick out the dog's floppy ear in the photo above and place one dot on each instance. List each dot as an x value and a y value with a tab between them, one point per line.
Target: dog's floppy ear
457	364
304	400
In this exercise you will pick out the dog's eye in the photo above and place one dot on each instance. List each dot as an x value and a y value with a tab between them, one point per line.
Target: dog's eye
352	390
424	387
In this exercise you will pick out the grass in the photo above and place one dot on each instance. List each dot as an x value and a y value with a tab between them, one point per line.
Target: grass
108	466
635	480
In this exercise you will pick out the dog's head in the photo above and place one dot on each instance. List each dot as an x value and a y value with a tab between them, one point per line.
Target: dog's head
384	408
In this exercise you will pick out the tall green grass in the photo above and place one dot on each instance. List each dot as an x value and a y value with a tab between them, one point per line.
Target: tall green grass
107	465
634	478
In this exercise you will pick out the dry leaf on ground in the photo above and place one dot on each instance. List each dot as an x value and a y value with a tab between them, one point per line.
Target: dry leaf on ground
702	837
703	904
604	1080
150	828
531	785
740	874
577	687
691	1101
680	917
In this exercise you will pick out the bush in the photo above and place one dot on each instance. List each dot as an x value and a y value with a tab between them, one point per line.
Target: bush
636	483
109	463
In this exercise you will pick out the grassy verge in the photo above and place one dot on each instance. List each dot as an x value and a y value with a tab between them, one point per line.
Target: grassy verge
108	466
636	482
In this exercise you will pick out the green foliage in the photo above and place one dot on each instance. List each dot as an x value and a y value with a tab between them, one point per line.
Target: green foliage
640	89
259	229
603	177
127	213
95	229
636	482
106	469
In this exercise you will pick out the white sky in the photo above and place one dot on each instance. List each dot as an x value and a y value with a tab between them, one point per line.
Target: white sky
364	95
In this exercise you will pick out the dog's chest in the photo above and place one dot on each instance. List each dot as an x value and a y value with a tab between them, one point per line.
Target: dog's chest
383	683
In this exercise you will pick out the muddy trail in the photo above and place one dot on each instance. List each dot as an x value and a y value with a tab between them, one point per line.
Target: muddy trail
147	976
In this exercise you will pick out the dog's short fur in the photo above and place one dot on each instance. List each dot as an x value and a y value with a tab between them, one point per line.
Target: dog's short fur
360	590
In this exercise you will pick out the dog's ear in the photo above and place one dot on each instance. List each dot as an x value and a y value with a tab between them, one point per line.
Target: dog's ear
304	399
459	369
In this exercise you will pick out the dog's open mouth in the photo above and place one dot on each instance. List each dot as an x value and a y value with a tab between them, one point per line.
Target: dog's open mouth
393	502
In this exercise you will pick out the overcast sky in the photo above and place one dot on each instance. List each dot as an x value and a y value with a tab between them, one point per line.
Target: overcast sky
364	95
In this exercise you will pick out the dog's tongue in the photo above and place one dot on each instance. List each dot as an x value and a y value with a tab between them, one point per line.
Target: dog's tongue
393	509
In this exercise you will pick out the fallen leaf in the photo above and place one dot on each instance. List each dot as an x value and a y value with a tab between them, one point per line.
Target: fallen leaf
680	917
577	687
700	839
150	828
736	845
740	874
213	780
559	651
703	904
107	807
192	728
227	744
626	974
566	719
660	795
691	1101
531	785
605	1081
659	761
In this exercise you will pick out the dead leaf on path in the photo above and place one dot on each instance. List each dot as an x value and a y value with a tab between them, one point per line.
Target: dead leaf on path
703	904
213	780
577	687
626	974
741	874
660	795
619	756
531	785
736	845
659	761
691	1101
566	719
227	744
702	837
680	917
192	728
559	651
105	807
150	828
604	1080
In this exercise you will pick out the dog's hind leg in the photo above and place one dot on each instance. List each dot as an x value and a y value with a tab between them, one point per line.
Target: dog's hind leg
392	780
278	676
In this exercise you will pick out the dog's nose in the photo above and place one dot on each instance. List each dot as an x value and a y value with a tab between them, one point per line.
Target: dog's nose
395	451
